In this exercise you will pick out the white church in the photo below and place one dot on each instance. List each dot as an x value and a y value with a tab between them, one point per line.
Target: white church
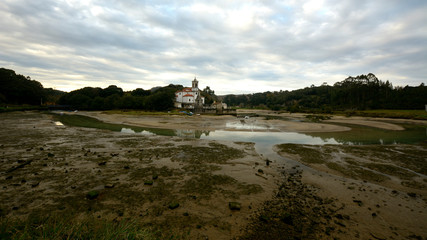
190	98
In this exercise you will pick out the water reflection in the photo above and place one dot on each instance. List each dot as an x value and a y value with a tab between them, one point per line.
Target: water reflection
245	124
269	138
191	133
130	130
58	123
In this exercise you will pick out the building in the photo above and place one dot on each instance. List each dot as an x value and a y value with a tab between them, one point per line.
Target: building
190	98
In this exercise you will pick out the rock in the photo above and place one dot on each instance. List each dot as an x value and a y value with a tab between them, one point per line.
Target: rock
287	218
92	195
120	213
340	224
359	202
234	205
50	155
260	171
109	185
374	214
102	163
264	218
148	182
413	195
173	205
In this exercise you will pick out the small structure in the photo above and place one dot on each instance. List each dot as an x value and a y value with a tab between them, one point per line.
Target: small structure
190	98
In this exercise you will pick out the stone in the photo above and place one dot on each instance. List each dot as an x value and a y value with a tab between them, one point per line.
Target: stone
234	205
109	185
173	205
413	195
92	195
287	218
148	182
359	202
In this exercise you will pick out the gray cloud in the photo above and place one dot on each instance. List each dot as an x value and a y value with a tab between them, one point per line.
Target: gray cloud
232	46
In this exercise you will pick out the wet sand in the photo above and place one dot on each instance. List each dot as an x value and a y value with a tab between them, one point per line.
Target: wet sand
138	177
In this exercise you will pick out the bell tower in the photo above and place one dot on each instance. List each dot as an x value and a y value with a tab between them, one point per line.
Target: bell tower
195	83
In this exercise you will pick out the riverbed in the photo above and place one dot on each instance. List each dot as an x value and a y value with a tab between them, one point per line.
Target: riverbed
142	164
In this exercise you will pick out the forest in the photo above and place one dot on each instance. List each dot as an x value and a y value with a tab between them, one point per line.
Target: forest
362	92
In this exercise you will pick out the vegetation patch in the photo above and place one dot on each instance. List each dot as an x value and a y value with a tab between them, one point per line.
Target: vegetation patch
206	184
68	226
414	184
307	153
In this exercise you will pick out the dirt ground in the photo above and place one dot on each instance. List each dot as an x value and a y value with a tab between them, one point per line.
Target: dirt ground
184	187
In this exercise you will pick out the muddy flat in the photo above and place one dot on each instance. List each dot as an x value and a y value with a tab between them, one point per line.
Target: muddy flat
193	188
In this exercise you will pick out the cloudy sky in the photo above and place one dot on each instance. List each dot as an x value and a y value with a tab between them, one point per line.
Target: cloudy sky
237	46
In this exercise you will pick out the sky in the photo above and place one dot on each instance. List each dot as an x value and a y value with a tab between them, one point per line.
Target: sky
238	46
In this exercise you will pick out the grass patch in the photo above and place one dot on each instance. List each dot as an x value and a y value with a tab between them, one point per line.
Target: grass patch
141	113
405	114
89	122
71	227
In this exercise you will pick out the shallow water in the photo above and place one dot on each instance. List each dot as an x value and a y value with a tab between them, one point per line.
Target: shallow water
264	135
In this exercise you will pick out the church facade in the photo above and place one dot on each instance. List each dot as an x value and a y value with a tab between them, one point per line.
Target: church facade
190	98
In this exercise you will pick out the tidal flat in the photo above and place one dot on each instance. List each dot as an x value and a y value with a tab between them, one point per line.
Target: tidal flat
112	184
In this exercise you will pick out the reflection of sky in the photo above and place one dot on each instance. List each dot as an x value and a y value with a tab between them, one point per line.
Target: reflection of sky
246	126
128	130
59	123
270	138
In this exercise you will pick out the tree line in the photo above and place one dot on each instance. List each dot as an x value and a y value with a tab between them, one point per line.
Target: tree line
16	89
354	93
113	97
